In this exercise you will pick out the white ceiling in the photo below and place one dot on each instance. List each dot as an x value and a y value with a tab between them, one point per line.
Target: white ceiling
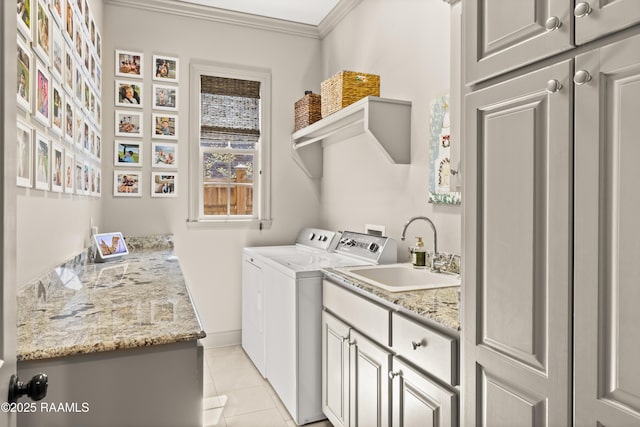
303	11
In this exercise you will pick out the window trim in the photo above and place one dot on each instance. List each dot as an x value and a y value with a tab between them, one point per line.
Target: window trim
262	179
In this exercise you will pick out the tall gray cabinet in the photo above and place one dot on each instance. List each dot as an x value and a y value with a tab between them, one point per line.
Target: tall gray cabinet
550	168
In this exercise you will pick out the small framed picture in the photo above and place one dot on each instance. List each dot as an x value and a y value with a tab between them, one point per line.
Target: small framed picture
24	18
164	185
127	183
57	168
165	97
128	123
57	109
93	180
78	128
69	69
165	68
78	173
25	154
86	178
128	153
43	31
128	64
57	11
57	52
165	155
24	76
42	149
68	27
98	182
78	39
99	46
69	172
43	90
165	126
68	120
86	141
78	84
128	94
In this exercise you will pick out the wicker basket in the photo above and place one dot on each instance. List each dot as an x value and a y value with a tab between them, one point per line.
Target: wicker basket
307	110
345	88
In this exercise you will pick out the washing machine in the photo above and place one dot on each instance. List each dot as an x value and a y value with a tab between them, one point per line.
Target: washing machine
282	309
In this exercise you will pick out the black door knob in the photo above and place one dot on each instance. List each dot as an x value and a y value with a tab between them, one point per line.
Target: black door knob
35	388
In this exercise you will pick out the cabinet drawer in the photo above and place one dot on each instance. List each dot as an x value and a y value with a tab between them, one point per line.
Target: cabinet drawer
365	315
432	351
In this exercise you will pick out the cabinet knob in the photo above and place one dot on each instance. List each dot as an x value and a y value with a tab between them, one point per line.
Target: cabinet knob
581	77
393	374
582	9
35	388
553	86
553	23
352	343
416	344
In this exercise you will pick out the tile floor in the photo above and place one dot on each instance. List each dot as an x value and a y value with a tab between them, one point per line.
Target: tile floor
236	395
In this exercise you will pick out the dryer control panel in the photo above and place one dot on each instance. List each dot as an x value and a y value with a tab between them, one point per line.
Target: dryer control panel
376	249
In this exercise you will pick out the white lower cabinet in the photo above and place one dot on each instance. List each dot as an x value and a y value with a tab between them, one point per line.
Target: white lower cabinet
366	382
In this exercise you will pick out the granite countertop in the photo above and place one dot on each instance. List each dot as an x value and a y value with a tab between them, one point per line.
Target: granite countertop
82	307
437	305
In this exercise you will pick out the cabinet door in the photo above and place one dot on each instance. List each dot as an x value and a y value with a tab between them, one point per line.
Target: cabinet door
419	402
605	17
516	253
335	370
607	236
369	372
502	35
253	312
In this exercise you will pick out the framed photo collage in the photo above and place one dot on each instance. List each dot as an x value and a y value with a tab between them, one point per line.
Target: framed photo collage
59	80
130	152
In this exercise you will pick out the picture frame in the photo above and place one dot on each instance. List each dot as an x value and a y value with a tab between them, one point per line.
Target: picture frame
165	68
128	153
42	42
165	97
98	152
78	175
128	94
86	176
69	69
164	155
93	180
42	163
98	182
24	74
69	172
57	52
42	104
69	20
57	109
57	168
165	126
99	45
86	144
78	129
128	123
57	11
78	84
24	154
164	184
78	40
128	63
441	191
24	16
68	120
127	183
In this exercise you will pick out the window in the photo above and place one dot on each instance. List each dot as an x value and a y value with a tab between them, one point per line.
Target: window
229	145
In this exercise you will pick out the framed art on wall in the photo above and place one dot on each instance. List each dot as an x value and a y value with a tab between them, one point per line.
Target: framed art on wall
165	97
57	109
57	52
24	153
69	171
128	153
24	76
68	120
165	68
43	82
165	155
128	123
78	175
165	126
128	94
24	18
57	168
128	64
43	32
42	153
127	183
164	184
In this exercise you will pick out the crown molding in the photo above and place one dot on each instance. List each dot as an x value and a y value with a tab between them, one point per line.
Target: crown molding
190	10
335	16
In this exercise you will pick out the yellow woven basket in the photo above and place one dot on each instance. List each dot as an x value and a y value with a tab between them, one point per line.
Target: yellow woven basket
345	88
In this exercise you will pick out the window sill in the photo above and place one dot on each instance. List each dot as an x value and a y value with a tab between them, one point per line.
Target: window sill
212	224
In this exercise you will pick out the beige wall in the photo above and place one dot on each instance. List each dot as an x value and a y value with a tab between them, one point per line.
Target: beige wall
406	42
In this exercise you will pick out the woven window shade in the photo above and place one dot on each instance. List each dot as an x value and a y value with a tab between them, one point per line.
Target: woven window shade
229	109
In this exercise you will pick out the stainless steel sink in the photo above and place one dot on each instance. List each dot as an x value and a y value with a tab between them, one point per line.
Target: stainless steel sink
401	277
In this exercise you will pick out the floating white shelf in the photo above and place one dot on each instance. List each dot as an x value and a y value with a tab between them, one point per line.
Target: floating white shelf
387	121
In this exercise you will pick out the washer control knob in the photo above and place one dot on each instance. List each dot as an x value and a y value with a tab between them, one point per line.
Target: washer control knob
312	236
373	247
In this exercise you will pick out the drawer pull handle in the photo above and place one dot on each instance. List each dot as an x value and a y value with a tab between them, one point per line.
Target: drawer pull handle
553	23
392	374
582	9
581	77
416	344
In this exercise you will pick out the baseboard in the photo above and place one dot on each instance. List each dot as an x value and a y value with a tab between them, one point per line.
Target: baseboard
222	339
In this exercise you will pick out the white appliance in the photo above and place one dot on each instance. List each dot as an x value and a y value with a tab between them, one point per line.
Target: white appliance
282	309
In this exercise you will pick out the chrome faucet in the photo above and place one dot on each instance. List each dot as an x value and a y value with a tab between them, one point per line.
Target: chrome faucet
435	236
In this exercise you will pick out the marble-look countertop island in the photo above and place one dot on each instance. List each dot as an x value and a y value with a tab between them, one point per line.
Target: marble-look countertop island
83	307
440	306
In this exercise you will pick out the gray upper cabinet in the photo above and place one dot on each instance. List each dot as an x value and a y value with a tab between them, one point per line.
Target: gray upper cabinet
516	254
596	18
607	236
502	35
